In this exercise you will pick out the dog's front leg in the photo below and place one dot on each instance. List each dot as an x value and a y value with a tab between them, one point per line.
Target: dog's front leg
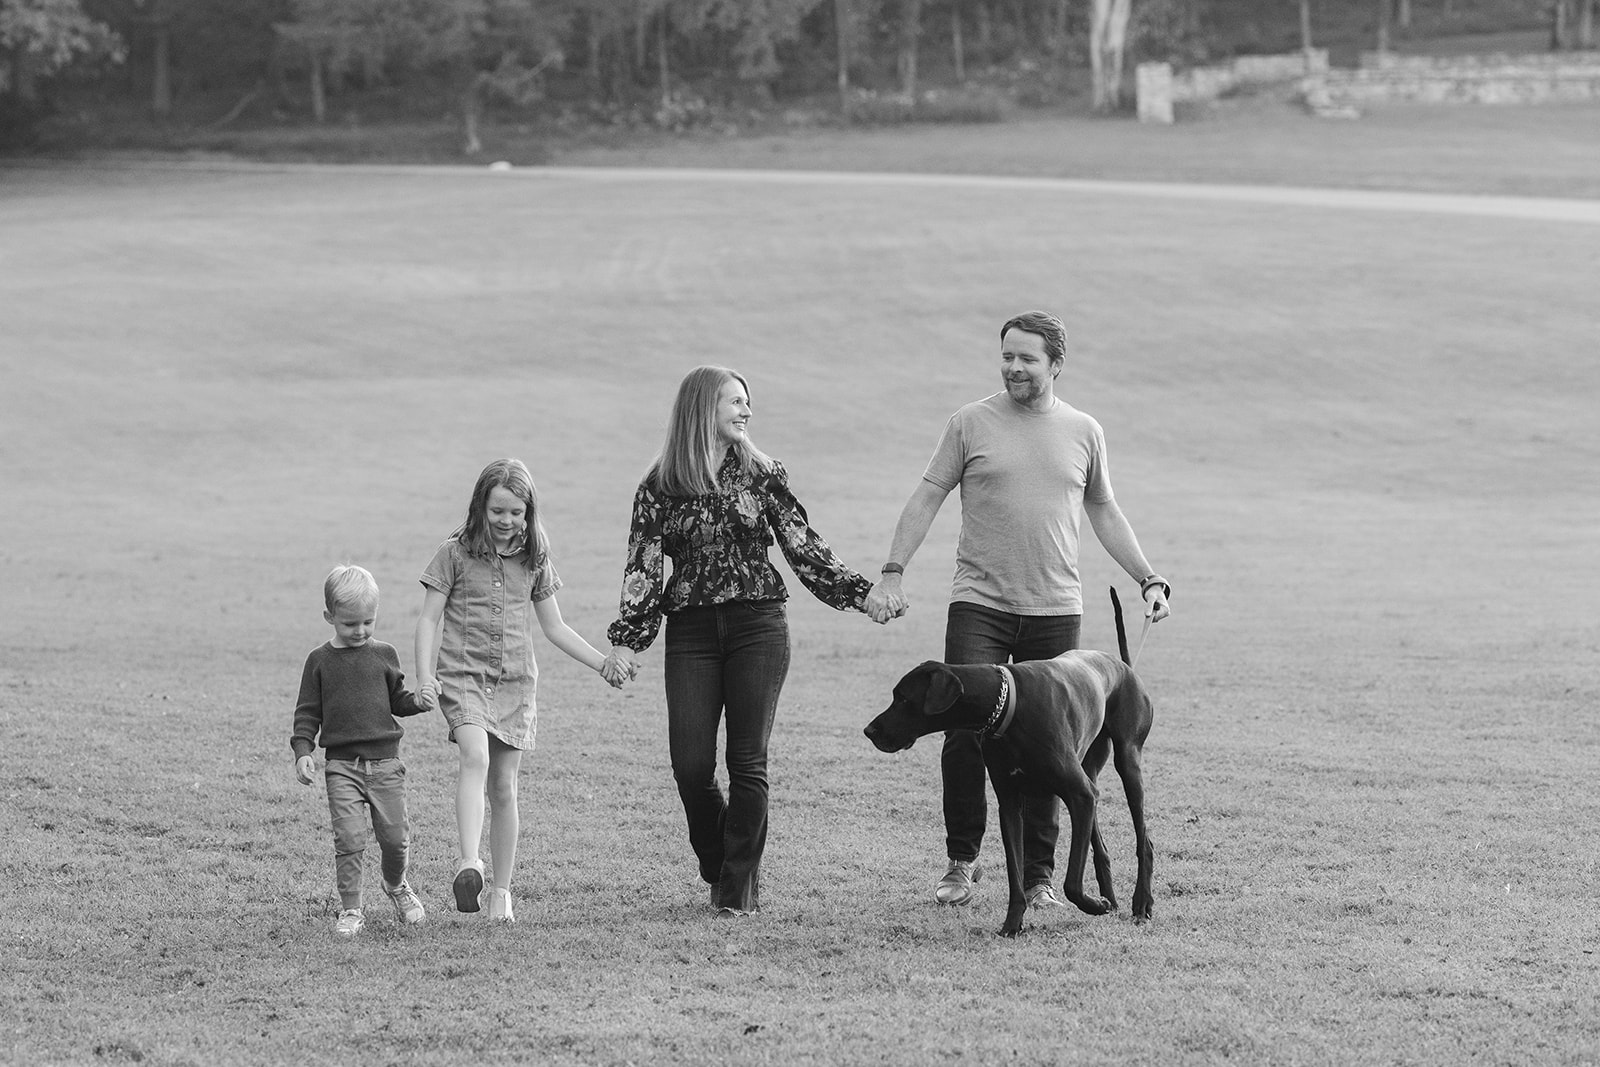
1010	799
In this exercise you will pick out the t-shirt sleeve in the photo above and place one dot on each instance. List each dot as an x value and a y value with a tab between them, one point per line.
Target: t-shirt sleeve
1097	479
545	580
949	456
442	569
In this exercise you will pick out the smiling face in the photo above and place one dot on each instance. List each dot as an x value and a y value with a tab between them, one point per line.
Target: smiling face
1026	370
731	417
506	516
352	623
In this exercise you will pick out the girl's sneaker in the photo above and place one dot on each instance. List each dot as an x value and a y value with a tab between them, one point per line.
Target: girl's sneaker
350	923
407	907
468	885
500	906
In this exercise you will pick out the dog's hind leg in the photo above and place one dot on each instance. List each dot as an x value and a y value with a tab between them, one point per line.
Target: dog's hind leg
1130	769
1093	761
1077	793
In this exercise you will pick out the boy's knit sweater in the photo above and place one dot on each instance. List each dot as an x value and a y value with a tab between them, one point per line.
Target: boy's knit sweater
352	696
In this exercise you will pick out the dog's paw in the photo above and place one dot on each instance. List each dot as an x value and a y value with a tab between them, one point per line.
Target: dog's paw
1094	905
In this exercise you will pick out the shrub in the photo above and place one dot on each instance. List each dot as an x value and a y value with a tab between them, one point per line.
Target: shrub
870	108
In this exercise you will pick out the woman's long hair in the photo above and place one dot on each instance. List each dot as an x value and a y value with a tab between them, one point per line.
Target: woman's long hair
511	475
692	453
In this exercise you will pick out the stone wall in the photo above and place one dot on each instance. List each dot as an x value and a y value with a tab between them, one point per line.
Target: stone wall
1535	79
1200	84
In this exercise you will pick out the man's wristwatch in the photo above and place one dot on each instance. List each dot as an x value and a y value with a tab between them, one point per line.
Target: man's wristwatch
1155	579
893	568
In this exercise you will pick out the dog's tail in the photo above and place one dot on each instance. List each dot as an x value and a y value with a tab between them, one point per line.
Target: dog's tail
1122	635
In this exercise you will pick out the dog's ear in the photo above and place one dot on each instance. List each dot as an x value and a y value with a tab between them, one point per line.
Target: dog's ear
944	689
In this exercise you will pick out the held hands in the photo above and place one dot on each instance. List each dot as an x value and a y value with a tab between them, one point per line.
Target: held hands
619	667
305	769
428	694
886	601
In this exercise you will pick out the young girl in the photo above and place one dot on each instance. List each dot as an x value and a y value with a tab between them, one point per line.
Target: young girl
485	586
713	503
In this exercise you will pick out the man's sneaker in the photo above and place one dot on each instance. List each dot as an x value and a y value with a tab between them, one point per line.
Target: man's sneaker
1043	895
959	882
407	908
500	906
468	885
350	923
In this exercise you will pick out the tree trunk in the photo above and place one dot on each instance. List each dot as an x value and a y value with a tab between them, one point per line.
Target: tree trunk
1108	39
1383	25
664	73
910	30
958	52
1403	13
641	39
841	37
1586	23
161	72
24	75
596	78
985	33
1305	28
1558	26
319	95
471	112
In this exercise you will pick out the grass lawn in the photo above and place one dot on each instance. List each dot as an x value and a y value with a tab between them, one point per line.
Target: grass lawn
1360	445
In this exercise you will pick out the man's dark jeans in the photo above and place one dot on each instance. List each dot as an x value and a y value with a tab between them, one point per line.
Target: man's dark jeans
731	656
978	634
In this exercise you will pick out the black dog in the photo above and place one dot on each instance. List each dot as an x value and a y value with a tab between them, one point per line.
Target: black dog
1047	727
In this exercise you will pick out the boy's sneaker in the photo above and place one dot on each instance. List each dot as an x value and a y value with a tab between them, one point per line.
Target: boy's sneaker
407	908
468	885
350	923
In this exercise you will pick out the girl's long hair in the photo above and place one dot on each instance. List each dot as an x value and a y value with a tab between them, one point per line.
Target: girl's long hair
511	475
692	454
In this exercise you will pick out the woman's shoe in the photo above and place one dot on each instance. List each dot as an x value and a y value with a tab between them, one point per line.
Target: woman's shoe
500	906
468	885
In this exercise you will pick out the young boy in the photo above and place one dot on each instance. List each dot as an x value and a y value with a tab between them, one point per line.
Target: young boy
351	692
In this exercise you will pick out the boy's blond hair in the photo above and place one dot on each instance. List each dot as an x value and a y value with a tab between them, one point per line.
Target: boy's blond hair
349	584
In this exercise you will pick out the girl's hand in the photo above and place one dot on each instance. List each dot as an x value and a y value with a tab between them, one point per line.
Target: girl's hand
305	769
428	694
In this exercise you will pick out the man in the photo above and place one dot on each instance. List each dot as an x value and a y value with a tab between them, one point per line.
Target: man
1026	461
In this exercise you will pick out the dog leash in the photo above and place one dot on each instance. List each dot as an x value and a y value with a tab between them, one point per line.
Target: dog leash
1143	633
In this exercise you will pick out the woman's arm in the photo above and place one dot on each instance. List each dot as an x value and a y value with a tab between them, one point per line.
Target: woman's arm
813	562
639	606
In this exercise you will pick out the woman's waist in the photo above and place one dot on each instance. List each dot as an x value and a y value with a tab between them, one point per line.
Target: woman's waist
746	549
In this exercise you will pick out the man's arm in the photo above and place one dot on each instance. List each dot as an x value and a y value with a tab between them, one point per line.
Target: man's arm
886	601
1116	536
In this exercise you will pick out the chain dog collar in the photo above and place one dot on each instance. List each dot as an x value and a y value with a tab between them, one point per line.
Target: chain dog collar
1005	708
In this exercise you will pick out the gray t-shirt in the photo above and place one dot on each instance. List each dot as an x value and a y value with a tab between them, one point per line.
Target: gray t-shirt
1024	477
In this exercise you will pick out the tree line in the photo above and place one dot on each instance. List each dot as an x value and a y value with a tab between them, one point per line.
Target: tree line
471	53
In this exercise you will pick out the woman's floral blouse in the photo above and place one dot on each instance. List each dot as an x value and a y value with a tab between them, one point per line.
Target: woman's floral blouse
718	546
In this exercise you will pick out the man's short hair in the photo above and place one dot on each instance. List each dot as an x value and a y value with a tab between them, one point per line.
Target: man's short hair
348	584
1047	326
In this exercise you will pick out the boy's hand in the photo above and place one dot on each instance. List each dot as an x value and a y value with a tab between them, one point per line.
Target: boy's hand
305	769
428	694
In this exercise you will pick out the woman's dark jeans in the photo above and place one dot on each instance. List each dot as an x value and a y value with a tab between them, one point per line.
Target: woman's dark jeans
731	656
977	634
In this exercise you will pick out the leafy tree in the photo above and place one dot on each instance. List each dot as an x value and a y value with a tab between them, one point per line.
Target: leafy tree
40	37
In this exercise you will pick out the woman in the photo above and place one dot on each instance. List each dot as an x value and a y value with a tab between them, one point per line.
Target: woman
713	502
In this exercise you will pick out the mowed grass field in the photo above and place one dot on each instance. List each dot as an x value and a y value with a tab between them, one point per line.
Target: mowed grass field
1361	444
